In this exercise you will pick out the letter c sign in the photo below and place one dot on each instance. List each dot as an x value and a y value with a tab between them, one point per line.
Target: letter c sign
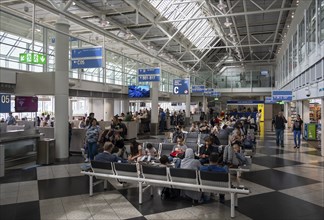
176	90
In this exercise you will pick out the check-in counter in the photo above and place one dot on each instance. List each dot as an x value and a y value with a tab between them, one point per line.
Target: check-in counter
132	129
77	140
48	132
17	147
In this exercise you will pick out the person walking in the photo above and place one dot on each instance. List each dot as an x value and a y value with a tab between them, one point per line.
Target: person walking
297	128
279	124
92	138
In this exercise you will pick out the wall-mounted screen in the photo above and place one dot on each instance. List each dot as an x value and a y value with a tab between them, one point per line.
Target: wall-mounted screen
139	91
26	104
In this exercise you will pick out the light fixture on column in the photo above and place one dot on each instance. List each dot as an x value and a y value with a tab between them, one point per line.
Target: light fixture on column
231	34
221	5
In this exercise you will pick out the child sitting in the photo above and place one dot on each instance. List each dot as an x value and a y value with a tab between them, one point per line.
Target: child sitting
150	153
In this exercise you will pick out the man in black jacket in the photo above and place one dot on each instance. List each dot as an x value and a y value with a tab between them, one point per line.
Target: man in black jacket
279	124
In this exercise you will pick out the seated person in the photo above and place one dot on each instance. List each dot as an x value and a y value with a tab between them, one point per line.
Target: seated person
177	133
194	128
149	153
240	156
164	161
119	144
136	151
229	157
189	162
205	151
178	151
106	155
204	128
214	167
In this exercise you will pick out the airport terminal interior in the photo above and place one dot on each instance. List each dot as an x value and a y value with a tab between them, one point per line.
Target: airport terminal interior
161	109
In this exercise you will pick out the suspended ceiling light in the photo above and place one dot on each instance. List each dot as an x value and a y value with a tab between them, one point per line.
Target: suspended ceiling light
227	23
231	34
221	5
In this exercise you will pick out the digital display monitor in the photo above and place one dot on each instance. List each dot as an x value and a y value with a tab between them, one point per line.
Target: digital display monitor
26	104
139	91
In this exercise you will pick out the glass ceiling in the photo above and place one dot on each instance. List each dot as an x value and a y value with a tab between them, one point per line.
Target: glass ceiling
199	32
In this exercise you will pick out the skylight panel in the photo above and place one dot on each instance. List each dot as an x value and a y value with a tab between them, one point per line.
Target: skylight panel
190	29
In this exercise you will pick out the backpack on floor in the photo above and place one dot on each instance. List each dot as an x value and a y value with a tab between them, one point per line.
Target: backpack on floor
169	193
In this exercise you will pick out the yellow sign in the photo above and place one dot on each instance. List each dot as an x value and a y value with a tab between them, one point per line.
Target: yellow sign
261	107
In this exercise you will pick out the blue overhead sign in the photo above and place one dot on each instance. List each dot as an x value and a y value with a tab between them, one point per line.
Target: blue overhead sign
244	102
208	90
154	78
5	103
181	86
149	71
216	94
282	95
86	63
86	52
269	100
197	88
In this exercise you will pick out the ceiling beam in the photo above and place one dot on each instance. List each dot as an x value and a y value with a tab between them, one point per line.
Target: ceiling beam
75	19
230	14
277	28
232	46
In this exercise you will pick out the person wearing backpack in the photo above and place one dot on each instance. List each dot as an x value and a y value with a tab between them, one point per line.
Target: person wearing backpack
297	128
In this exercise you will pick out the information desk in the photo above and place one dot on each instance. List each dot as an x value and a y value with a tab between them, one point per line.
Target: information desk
17	147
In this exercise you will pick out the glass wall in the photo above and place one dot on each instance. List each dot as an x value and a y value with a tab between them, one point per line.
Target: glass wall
301	39
321	20
311	28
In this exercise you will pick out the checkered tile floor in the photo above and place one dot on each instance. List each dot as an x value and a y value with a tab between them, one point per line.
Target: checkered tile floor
285	183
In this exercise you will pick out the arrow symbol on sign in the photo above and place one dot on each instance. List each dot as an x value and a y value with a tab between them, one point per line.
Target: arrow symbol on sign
42	58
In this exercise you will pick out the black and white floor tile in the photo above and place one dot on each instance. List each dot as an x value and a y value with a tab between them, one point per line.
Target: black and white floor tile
285	183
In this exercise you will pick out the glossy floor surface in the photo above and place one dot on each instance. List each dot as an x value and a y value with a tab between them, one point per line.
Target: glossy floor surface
285	184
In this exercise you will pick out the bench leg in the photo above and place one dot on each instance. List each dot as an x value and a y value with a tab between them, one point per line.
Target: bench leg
140	191
90	185
151	191
232	205
236	200
105	184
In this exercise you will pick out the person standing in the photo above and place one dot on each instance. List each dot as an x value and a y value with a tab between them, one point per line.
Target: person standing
92	138
279	124
258	118
10	119
297	128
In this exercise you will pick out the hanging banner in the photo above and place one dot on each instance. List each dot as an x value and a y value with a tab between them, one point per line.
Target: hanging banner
181	86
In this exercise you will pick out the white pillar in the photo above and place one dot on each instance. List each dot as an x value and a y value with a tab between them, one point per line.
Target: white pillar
61	130
70	109
155	108
108	109
305	114
204	104
322	124
125	106
286	109
188	101
299	107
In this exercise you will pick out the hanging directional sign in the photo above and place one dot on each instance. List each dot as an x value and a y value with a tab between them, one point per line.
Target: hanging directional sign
149	71
282	95
5	103
181	86
197	88
149	78
268	100
86	63
86	52
32	58
83	58
208	90
149	75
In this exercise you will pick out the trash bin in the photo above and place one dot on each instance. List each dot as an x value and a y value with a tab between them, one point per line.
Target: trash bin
46	151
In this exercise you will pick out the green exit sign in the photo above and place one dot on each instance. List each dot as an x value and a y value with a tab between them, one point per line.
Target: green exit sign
33	58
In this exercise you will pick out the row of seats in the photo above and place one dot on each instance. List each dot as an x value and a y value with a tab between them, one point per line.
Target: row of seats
189	179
